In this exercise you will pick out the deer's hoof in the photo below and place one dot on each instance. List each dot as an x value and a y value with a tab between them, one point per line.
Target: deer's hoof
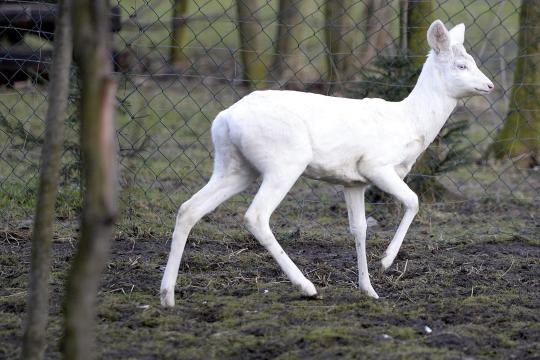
386	262
167	297
308	289
369	291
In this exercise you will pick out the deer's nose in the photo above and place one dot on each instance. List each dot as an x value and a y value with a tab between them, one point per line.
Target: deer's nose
490	86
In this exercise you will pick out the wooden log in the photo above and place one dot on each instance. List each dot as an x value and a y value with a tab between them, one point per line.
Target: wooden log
20	18
26	64
21	65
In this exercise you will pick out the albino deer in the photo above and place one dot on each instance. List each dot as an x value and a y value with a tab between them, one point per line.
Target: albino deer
281	135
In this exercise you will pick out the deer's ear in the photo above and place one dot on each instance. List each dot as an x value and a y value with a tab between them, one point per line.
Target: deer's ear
457	34
438	37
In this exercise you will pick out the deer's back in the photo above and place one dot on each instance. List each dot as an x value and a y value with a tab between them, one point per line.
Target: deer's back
336	137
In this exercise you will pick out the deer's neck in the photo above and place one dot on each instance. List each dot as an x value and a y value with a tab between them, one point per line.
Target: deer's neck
428	105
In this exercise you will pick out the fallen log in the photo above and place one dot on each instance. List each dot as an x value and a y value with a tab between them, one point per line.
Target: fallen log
21	65
20	18
29	64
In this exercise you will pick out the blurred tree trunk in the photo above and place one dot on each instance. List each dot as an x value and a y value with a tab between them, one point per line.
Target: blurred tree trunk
420	15
250	30
336	23
34	340
98	152
289	60
403	11
178	33
377	36
519	138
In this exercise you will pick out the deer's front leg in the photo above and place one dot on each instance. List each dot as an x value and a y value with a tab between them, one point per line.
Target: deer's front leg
354	197
388	181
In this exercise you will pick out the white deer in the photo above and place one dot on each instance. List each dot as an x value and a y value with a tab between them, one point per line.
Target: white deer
281	135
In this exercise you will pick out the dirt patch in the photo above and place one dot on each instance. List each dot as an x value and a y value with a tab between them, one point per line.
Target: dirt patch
469	272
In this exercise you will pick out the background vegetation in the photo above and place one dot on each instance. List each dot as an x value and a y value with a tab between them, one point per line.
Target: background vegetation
469	266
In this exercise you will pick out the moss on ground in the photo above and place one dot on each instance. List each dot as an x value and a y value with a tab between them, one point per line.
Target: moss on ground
468	271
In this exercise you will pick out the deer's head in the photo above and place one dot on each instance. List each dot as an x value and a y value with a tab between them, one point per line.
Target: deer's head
457	69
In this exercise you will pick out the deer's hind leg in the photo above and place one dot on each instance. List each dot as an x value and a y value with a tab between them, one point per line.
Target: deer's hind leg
229	178
273	189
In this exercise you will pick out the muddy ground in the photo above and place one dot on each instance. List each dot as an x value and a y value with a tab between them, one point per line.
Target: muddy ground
470	272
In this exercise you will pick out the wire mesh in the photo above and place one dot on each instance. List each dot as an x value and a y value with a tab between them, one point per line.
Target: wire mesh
181	62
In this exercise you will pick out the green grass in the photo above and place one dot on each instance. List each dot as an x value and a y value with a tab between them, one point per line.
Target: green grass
167	119
478	294
468	269
173	159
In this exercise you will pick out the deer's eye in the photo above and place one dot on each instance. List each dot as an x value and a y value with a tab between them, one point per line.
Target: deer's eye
461	66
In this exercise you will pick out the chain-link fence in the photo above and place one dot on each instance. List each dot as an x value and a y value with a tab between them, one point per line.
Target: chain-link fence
180	62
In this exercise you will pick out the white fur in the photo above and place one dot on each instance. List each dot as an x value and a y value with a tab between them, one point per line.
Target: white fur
281	135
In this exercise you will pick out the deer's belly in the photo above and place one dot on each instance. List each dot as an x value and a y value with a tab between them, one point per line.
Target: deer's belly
342	174
355	168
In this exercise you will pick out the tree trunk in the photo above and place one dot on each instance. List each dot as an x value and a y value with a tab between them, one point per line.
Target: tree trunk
519	138
339	52
98	153
420	15
403	6
289	60
377	37
178	33
34	340
250	30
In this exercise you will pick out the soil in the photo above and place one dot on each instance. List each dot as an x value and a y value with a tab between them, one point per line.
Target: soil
465	285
